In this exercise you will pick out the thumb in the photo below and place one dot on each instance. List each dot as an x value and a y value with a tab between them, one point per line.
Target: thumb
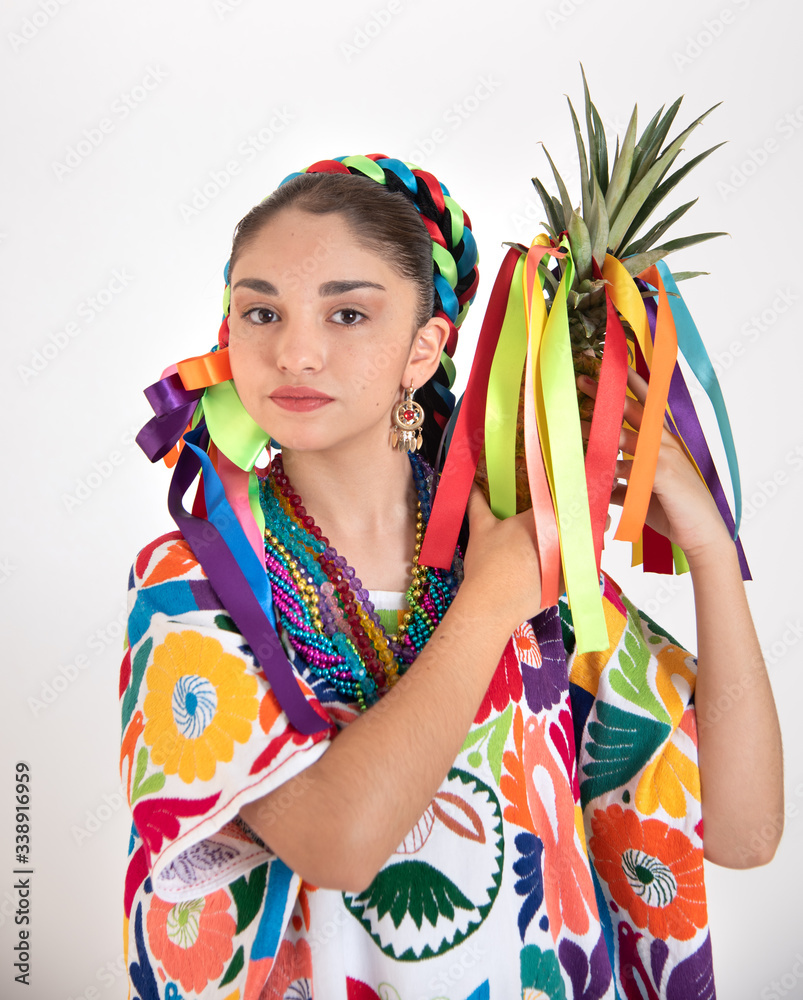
478	508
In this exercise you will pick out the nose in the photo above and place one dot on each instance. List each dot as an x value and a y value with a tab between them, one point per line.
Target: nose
300	348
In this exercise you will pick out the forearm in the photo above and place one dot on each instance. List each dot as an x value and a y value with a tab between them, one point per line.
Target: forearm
350	810
741	765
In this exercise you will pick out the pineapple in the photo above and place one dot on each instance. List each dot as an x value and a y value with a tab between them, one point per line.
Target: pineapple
615	205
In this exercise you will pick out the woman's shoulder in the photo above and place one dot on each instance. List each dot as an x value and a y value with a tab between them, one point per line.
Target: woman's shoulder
168	557
167	583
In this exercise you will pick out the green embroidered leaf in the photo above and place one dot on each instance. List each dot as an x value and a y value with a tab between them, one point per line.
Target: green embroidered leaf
225	623
137	673
153	784
415	887
248	894
234	968
540	970
656	629
495	732
621	744
567	627
630	680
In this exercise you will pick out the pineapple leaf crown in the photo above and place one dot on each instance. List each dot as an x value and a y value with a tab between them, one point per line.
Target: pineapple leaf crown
617	201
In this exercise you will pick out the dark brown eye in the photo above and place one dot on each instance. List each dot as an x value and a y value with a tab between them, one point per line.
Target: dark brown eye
348	317
261	316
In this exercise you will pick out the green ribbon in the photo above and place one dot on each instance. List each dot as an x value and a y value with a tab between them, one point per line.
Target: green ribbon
502	407
230	426
570	493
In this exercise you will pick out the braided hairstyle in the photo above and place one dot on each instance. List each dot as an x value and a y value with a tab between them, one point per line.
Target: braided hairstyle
406	215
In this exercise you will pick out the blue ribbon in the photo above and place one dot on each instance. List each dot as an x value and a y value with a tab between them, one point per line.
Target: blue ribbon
691	344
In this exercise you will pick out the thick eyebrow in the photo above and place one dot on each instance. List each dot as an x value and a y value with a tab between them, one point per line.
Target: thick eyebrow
341	287
328	288
257	285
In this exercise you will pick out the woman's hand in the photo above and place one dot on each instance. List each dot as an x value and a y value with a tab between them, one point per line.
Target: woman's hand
502	561
681	507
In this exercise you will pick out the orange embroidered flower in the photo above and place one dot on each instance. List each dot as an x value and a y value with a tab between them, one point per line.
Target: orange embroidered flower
200	701
526	644
653	871
193	939
293	968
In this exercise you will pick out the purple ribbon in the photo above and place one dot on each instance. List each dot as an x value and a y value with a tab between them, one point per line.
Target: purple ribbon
688	427
236	596
174	407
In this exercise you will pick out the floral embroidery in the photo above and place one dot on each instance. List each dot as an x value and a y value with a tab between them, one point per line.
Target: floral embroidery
202	857
506	684
193	940
652	870
200	722
291	975
200	700
545	681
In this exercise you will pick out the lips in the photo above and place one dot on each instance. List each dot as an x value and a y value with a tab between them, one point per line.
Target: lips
300	398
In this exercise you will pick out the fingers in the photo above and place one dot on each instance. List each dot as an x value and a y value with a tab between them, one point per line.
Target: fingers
477	507
627	438
633	408
618	494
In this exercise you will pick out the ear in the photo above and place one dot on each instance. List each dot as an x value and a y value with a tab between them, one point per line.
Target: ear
425	352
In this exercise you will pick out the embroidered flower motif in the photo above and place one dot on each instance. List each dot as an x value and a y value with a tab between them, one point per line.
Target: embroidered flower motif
194	865
291	975
505	686
652	870
194	704
193	939
200	701
545	678
527	648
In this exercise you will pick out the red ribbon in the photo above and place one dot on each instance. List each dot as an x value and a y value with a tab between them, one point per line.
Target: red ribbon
454	487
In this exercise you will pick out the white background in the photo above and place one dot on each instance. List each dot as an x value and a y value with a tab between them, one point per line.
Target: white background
319	80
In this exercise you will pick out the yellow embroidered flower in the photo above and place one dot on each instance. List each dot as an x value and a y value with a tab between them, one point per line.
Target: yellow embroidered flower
200	700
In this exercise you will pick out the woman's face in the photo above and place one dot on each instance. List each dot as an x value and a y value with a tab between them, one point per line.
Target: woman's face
322	334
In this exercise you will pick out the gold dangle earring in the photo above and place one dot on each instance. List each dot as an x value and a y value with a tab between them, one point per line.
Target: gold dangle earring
408	417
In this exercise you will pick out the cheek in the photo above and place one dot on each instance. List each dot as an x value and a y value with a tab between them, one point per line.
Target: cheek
244	365
382	359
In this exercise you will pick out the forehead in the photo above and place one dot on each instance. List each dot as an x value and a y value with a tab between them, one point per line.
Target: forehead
310	244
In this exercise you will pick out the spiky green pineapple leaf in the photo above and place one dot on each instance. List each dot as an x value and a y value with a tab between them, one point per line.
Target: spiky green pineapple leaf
620	176
585	186
640	194
615	155
661	191
594	296
687	275
635	265
555	220
550	281
657	230
597	146
598	225
653	147
602	146
565	200
581	247
688	241
646	137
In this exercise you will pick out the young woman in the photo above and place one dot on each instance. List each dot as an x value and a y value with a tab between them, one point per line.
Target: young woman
454	810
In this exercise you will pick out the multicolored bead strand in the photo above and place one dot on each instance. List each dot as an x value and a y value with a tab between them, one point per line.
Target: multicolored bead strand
327	615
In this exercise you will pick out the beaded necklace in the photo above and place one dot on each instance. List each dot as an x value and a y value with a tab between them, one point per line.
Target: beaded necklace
326	613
